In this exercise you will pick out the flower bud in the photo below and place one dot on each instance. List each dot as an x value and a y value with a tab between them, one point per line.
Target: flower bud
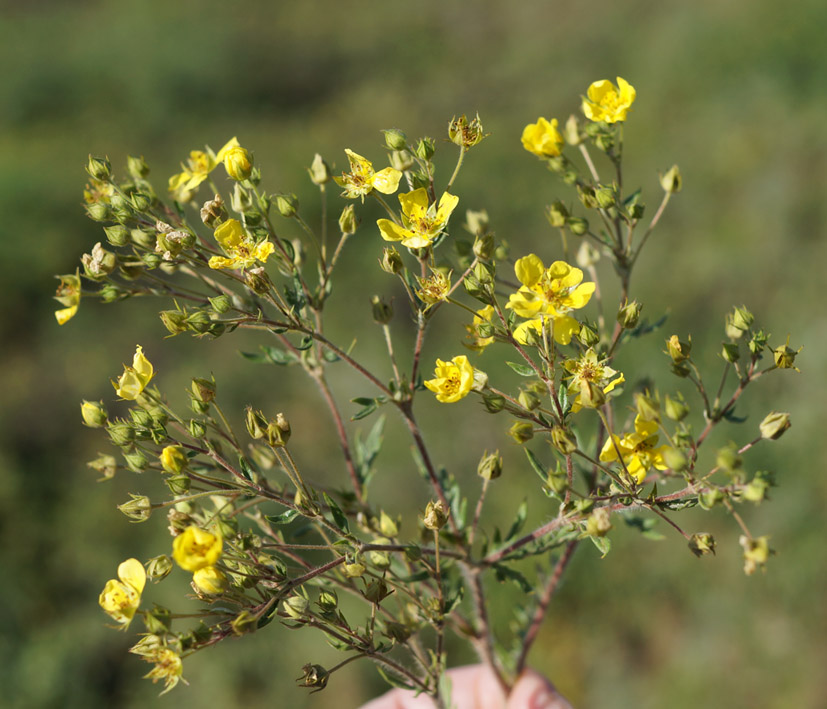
287	204
490	466
774	425
709	498
136	167
730	352
377	591
675	409
494	403
571	131
391	260
238	163
382	311
476	222
676	459
756	490
178	484
144	238
319	170
395	139
106	465
158	567
93	413
587	196
677	350
97	212
557	214
784	356
742	318
629	315
138	509
605	197
727	459
671	181
599	523
578	226
436	515
256	423
121	433
587	336
521	431
348	221
635	208
314	676
295	606
117	235
648	409
278	431
484	247
328	600
140	201
702	544
529	400
354	569
244	622
756	553
203	389
401	160
174	321
99	168
173	459
758	342
257	280
210	581
425	148
563	440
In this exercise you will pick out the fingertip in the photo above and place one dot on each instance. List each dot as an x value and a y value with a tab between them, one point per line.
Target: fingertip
533	691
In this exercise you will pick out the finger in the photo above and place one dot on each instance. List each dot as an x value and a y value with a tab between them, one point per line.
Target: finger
533	691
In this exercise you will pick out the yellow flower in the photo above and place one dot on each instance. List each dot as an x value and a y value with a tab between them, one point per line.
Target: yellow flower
168	667
434	289
452	380
173	459
362	180
198	168
548	293
237	162
606	103
135	378
637	450
422	222
589	370
542	138
240	248
120	599
68	294
196	548
210	580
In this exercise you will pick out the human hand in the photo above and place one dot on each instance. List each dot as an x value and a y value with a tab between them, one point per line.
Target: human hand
476	687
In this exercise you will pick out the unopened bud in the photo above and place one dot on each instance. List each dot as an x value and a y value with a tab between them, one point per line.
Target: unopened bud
494	403
605	197
295	606
484	247
490	466
391	260
136	167
117	235
354	568
557	214
401	160
173	459
256	423
135	460
476	222
210	581
702	544
675	409
521	431
278	432
121	433
287	204
629	315
599	523
648	409
529	400
709	498
348	221
587	336
238	163
314	676
563	440
138	509
382	311
730	352
571	131
97	212
319	170
395	139
671	181
203	389
742	318
587	196
436	515
678	350
774	425
158	567
675	458
174	321
99	168
425	148
578	226
106	465
178	484
93	413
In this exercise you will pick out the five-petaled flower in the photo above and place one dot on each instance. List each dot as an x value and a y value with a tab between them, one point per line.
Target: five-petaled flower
452	380
168	667
421	222
242	251
548	293
135	378
198	168
638	450
542	138
607	103
121	598
196	548
586	370
362	179
68	295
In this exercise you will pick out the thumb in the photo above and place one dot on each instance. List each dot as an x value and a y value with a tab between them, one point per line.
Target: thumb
533	691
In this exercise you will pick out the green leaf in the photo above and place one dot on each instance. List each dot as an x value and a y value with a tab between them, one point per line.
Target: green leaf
254	356
283	518
367	411
644	525
603	544
305	344
393	680
522	511
504	573
535	465
522	369
246	470
336	512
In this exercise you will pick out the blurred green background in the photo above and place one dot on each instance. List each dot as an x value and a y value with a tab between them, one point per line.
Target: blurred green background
731	90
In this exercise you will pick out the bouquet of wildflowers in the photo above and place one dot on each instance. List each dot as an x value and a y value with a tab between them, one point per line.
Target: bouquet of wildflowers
265	543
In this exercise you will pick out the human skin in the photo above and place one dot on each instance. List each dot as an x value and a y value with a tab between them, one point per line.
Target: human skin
476	687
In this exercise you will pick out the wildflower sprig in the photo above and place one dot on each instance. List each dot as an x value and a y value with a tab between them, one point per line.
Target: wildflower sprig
236	482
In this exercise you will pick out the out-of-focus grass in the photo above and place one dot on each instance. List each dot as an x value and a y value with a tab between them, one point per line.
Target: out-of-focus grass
731	91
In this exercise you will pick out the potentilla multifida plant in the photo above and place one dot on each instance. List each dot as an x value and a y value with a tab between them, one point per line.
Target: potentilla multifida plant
262	540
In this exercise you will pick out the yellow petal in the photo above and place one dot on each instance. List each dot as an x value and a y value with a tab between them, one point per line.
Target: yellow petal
142	366
447	204
386	181
627	91
264	249
391	231
414	204
229	145
525	302
229	234
564	329
217	262
528	269
130	385
65	314
132	572
521	331
581	295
